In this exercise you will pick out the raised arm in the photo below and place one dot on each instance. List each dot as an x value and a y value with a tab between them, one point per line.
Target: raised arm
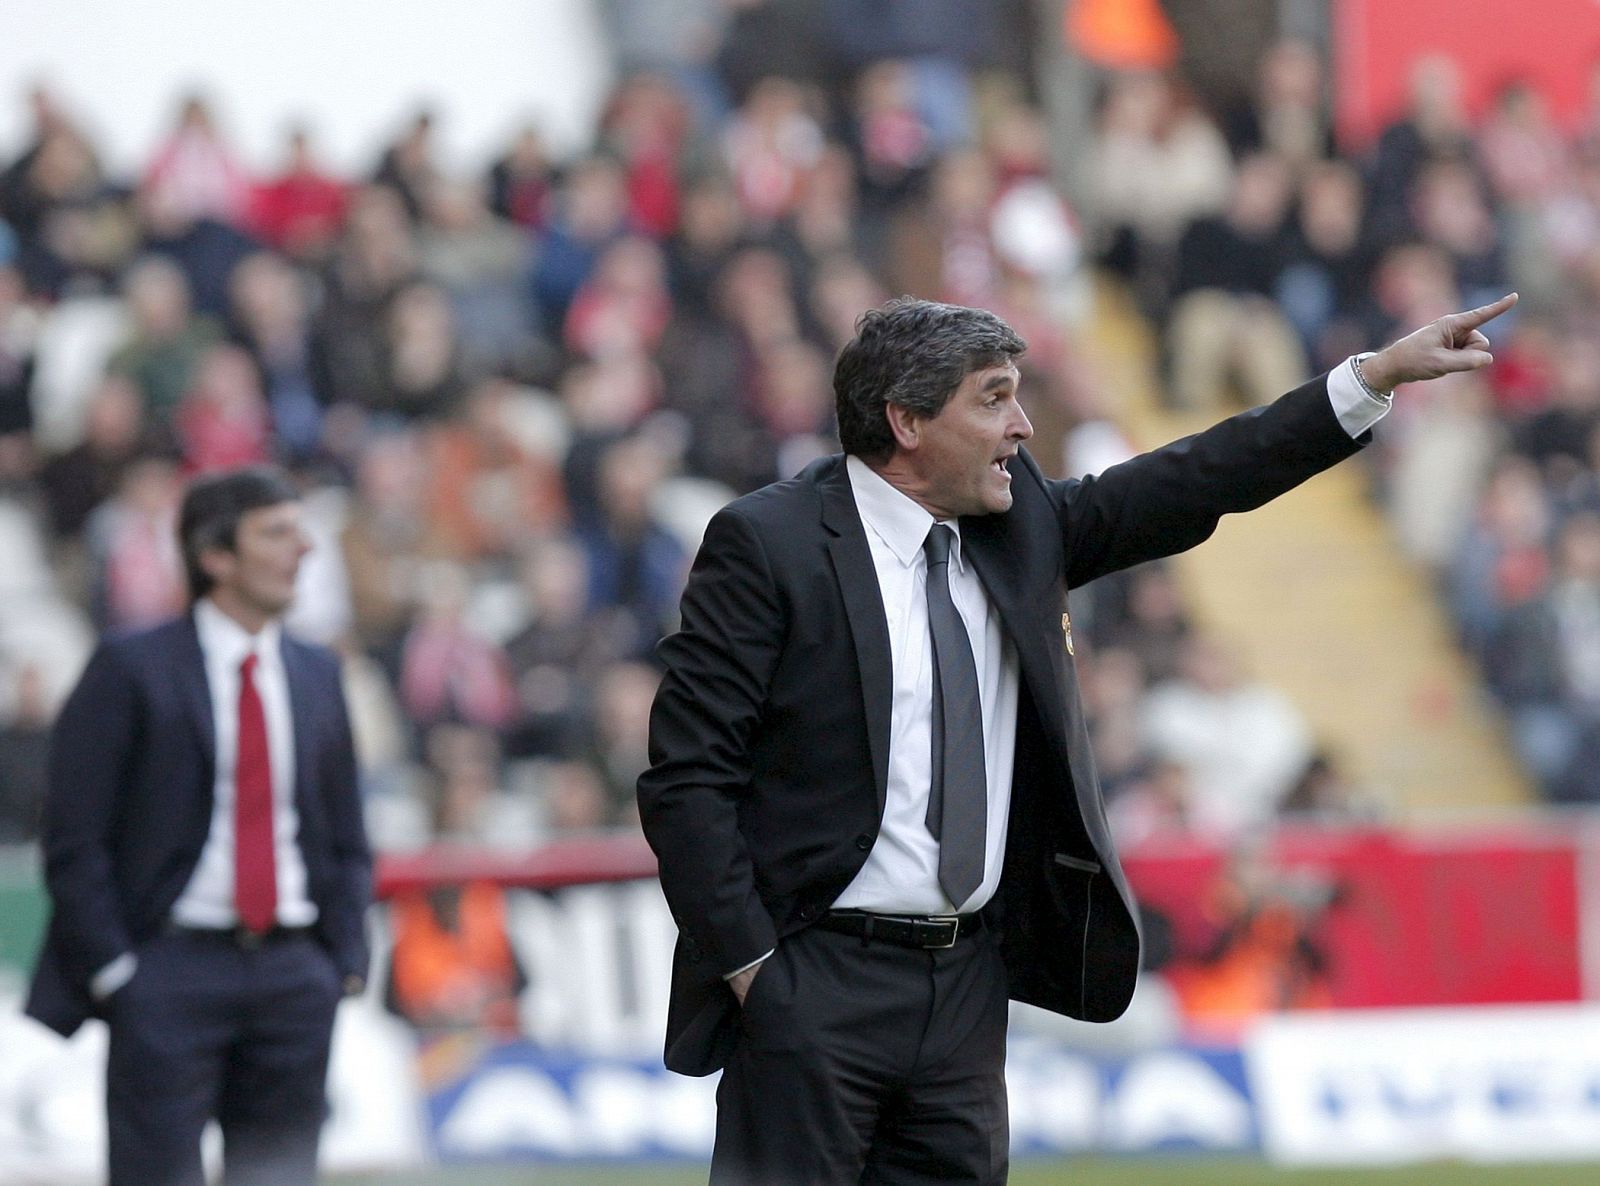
1172	498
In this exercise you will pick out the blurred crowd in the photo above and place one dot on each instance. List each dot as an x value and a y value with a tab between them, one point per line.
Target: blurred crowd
1264	253
513	397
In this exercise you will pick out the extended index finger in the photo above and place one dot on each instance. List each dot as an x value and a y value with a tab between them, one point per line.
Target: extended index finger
1473	318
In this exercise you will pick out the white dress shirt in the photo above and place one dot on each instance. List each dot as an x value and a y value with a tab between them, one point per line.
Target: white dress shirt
901	874
207	901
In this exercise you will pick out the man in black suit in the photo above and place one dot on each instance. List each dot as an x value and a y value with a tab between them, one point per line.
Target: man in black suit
206	861
871	792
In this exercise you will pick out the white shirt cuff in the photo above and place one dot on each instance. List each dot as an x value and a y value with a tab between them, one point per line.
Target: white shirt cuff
113	976
747	967
1356	407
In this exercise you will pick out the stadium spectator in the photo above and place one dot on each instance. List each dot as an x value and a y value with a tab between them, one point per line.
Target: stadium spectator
1154	627
711	226
1159	164
576	801
1322	286
467	797
166	344
424	377
771	143
375	260
221	422
521	181
491	490
1435	127
270	318
1450	212
1241	743
408	167
301	210
623	693
194	174
449	672
1287	113
480	260
1225	330
1544	661
591	213
452	965
81	479
623	307
1439	464
636	566
646	128
557	656
73	227
1501	562
385	540
135	578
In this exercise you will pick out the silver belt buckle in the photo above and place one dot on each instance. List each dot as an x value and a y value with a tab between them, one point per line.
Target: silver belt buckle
955	927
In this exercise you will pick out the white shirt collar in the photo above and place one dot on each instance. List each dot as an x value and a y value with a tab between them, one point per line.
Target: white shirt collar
898	520
225	641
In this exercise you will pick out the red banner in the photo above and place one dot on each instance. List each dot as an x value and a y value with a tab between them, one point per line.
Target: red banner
1305	918
1553	44
1314	918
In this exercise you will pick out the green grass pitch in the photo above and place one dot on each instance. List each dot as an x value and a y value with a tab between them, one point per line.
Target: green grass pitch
1086	1172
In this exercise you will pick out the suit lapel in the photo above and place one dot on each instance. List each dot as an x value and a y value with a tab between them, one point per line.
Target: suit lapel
995	553
863	604
298	676
983	545
196	693
996	558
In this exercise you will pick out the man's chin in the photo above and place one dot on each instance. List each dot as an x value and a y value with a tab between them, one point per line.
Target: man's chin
999	501
275	605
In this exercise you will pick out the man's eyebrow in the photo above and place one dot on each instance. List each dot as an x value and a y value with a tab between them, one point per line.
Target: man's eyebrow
999	380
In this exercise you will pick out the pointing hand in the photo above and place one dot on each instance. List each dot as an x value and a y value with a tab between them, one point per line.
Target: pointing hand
1444	347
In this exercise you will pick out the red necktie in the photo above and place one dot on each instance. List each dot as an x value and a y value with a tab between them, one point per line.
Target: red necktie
255	877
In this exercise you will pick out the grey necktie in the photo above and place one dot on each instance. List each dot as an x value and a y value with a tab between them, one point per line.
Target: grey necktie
958	801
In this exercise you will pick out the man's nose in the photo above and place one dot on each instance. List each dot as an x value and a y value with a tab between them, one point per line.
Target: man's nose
1022	429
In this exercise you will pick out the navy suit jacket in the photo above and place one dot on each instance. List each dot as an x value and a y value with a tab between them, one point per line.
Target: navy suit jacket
129	805
769	738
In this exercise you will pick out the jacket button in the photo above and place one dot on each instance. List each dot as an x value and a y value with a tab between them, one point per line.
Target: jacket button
864	841
807	913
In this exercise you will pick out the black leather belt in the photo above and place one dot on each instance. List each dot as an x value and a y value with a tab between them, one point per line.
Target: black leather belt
242	937
903	930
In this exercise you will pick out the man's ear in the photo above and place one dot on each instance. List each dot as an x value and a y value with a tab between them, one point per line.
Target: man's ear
905	424
216	563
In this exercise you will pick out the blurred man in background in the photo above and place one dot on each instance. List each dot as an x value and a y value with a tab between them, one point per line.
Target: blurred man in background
206	859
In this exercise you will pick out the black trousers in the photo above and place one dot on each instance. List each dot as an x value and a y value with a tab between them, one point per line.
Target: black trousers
861	1062
204	1031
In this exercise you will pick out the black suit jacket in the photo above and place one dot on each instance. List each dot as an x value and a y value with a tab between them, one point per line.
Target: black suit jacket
769	735
132	768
